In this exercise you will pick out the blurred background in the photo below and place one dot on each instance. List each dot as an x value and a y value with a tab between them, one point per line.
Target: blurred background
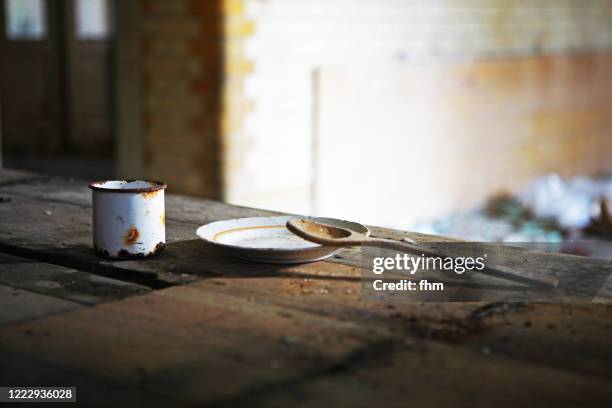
482	119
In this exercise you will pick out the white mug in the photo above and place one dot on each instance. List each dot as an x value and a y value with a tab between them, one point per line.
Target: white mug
129	218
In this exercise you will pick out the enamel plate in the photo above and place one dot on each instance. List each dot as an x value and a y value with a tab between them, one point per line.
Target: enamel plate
267	239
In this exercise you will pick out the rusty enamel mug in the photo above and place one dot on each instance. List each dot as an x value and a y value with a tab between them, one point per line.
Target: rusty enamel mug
129	218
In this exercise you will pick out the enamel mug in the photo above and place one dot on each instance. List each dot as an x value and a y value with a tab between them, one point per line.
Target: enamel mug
129	218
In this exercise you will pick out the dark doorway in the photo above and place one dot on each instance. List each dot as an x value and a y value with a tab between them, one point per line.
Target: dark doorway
56	86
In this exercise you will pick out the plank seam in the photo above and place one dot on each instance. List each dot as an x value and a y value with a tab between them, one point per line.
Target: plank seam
149	280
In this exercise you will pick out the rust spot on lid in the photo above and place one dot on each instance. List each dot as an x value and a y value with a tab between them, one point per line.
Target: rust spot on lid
162	218
131	236
149	194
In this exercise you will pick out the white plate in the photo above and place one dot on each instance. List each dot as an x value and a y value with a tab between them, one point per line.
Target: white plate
267	239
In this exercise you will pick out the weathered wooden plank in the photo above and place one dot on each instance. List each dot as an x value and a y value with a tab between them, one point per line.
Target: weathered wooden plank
20	370
184	343
213	342
10	177
573	337
63	283
18	305
437	375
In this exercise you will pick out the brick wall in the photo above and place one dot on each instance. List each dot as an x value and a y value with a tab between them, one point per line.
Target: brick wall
237	29
275	55
182	66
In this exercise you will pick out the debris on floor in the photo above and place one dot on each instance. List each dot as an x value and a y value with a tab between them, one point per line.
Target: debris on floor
550	209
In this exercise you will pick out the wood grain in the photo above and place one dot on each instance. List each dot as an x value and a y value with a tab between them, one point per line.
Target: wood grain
18	305
63	283
436	375
181	342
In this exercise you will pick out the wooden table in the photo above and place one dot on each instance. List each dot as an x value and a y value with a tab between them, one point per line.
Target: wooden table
194	326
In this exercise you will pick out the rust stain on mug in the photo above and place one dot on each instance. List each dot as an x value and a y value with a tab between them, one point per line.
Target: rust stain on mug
148	194
131	236
162	218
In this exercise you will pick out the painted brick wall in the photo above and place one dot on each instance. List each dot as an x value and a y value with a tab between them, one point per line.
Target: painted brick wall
275	48
182	66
